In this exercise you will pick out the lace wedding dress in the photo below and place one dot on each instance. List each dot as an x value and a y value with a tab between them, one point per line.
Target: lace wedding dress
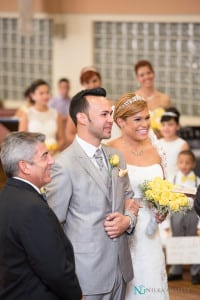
150	278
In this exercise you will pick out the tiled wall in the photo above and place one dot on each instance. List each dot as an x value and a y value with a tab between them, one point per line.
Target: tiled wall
24	58
172	48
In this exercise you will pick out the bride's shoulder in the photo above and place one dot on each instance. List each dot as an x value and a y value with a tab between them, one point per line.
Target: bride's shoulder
115	143
153	151
116	147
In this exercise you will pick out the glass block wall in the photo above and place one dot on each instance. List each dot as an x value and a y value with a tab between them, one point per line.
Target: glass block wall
172	48
23	58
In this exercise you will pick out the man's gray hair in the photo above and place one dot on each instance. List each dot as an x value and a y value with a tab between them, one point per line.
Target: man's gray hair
19	146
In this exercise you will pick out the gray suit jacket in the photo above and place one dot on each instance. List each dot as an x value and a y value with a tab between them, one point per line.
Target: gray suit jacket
80	198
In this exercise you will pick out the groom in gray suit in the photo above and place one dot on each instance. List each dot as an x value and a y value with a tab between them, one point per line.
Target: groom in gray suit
88	193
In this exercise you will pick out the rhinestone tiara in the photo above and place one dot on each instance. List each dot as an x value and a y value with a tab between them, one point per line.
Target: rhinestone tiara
170	114
131	101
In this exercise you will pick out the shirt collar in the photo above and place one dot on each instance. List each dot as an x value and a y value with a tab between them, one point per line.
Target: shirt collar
88	148
30	183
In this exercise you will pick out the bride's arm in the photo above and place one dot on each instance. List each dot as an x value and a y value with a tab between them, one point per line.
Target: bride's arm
133	206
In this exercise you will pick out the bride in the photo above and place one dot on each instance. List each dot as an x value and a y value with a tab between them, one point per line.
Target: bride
144	161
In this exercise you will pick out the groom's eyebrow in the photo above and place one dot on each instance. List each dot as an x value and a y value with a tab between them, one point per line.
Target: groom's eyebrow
107	111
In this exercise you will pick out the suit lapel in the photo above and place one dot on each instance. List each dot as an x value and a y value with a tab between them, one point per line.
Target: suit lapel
90	168
114	176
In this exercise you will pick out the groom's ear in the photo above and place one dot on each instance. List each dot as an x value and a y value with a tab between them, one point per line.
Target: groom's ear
82	118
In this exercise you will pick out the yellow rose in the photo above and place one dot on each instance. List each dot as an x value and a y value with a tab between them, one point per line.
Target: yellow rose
183	201
149	194
114	160
155	118
163	200
159	192
52	147
174	206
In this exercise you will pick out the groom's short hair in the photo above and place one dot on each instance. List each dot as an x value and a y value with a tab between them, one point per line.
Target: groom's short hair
79	102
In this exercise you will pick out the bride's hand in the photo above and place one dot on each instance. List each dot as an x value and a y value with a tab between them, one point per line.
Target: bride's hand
133	206
160	218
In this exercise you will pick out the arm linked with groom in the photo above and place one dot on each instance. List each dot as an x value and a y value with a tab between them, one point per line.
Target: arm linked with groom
90	200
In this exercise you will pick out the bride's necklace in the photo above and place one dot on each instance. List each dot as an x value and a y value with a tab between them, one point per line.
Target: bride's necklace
136	153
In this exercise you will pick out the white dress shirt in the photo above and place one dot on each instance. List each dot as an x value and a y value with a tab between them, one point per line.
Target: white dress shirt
90	150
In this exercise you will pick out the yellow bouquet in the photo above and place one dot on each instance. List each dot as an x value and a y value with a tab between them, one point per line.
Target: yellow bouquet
156	115
51	147
159	193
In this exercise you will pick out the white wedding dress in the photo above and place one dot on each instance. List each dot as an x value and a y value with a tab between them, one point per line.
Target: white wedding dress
150	278
44	122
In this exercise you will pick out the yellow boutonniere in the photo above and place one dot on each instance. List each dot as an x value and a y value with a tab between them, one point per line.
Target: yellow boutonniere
114	160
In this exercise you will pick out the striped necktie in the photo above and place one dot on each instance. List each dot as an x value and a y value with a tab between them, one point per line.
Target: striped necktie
99	160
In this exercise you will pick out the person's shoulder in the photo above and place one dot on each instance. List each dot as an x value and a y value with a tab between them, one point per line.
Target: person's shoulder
52	111
164	99
138	92
30	112
198	180
114	143
35	209
67	99
180	139
26	202
113	148
161	140
54	99
66	155
182	142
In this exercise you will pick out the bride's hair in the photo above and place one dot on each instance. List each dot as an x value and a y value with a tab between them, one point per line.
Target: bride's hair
129	105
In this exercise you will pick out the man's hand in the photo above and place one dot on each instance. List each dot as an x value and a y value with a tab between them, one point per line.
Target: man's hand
116	224
133	206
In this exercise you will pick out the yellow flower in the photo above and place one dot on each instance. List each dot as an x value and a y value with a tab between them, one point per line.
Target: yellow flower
52	147
156	115
163	200
160	193
114	160
173	205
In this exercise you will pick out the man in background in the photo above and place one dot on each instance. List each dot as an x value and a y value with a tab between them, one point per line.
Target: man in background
62	102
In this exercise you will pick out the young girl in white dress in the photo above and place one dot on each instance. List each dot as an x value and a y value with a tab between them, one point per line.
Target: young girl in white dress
144	162
171	143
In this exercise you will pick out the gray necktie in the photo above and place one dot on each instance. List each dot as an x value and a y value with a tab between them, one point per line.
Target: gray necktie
99	159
